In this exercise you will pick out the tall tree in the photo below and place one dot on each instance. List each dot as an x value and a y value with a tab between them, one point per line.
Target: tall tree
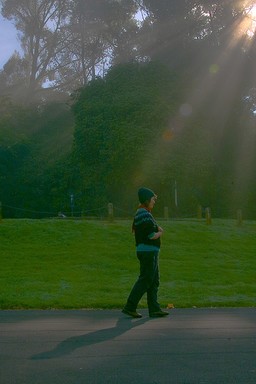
40	24
97	28
188	31
120	123
66	43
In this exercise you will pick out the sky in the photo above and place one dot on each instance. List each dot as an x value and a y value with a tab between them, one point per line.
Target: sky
8	40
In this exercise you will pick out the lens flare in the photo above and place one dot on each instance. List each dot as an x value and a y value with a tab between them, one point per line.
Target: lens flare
168	135
185	110
214	68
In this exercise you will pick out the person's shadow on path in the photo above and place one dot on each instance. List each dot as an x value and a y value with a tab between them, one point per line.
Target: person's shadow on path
67	346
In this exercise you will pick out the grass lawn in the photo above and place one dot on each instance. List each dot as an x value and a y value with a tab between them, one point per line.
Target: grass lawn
92	264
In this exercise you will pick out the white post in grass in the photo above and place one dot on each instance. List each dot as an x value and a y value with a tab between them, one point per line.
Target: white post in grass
110	212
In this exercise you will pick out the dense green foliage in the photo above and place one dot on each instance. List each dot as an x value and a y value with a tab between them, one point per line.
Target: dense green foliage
129	129
33	152
168	100
120	122
85	264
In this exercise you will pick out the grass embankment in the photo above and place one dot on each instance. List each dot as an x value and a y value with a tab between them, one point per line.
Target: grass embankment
92	264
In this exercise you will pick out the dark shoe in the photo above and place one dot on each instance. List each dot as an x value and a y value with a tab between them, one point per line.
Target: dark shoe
134	314
159	314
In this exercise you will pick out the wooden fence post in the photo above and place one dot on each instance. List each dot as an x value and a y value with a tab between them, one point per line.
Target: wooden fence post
208	216
110	212
199	212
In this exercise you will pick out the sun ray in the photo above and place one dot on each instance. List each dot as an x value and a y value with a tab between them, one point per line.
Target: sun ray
220	78
251	21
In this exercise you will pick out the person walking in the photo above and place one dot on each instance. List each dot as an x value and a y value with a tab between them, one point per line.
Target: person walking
147	238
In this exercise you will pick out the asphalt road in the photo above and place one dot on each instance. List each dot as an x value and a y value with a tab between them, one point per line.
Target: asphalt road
191	346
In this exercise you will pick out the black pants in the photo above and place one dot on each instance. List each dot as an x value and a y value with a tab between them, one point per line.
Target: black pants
148	282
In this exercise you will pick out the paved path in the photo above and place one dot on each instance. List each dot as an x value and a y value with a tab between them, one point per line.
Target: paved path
191	346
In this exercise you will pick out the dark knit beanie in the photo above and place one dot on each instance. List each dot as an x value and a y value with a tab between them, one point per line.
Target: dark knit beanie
145	194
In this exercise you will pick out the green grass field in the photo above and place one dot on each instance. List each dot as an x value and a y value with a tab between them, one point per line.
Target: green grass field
92	264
